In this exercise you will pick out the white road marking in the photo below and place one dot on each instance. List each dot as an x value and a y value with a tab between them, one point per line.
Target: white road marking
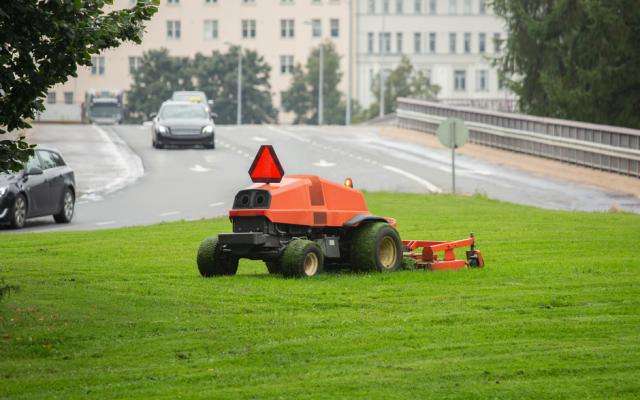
199	168
168	213
216	204
430	186
259	139
324	163
129	164
105	223
290	134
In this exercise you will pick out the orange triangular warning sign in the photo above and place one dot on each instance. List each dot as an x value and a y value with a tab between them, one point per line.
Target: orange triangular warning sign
266	166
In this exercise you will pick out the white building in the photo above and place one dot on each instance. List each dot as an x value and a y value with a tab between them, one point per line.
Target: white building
451	40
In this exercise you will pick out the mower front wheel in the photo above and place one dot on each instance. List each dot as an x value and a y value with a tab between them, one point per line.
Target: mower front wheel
376	247
211	260
302	258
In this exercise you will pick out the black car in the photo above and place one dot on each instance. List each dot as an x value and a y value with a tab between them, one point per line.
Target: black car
183	123
46	186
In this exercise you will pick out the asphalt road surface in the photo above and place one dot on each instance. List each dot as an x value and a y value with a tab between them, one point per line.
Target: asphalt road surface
197	183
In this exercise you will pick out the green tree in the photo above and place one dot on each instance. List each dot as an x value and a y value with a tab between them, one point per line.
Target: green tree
576	59
302	96
217	75
43	42
155	81
403	81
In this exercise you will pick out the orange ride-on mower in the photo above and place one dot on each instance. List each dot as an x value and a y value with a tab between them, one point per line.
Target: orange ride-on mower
301	224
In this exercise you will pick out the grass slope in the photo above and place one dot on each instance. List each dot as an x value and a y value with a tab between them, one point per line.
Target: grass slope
123	313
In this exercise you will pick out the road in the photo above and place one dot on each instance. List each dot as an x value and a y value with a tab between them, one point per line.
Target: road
196	183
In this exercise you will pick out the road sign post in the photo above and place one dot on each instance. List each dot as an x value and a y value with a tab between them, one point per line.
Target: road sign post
452	133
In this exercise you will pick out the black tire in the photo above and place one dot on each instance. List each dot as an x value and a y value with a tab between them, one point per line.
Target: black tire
211	260
273	267
211	145
66	208
302	258
18	212
376	247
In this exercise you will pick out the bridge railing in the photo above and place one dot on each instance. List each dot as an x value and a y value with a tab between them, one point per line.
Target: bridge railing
603	147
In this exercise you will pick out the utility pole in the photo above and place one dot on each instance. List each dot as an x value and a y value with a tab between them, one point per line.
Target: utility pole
321	85
383	45
239	115
347	117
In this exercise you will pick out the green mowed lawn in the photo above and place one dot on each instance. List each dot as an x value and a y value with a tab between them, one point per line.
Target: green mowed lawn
124	314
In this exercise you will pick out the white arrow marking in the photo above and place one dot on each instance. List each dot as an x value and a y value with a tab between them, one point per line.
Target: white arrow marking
430	186
168	213
216	204
199	168
324	163
105	223
259	139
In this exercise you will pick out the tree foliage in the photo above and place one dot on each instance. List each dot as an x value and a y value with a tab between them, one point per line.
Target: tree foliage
302	96
156	79
217	75
43	42
576	59
403	81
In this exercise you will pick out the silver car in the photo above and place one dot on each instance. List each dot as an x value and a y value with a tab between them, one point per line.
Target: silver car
183	123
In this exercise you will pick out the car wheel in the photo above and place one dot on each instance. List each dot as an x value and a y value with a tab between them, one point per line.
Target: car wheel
18	212
68	206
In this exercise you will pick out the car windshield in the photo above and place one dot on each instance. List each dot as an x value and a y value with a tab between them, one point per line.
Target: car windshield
192	97
104	110
183	111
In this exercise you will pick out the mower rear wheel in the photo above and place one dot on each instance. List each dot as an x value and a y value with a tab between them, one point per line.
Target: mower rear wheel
302	258
211	260
376	247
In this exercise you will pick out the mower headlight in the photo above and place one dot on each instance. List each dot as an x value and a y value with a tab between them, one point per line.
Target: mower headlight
161	129
3	190
207	130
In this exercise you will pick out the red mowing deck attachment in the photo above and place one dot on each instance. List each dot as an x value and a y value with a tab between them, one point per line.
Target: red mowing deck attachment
428	258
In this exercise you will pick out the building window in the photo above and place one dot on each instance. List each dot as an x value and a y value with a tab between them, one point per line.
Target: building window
134	63
482	80
173	1
385	42
497	43
370	43
286	64
68	97
432	42
97	65
286	28
482	7
467	42
51	98
248	28
248	1
417	6
335	27
385	6
371	7
399	6
210	29
316	28
453	7
452	42
399	42
286	2
482	42
460	80
210	1
417	42
433	7
466	7
173	29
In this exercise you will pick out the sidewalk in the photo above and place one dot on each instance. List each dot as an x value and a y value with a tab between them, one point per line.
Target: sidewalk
102	162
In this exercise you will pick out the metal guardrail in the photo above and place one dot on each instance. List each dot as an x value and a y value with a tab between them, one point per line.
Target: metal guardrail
603	147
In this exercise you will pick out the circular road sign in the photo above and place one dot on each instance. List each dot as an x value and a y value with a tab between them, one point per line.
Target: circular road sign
453	133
